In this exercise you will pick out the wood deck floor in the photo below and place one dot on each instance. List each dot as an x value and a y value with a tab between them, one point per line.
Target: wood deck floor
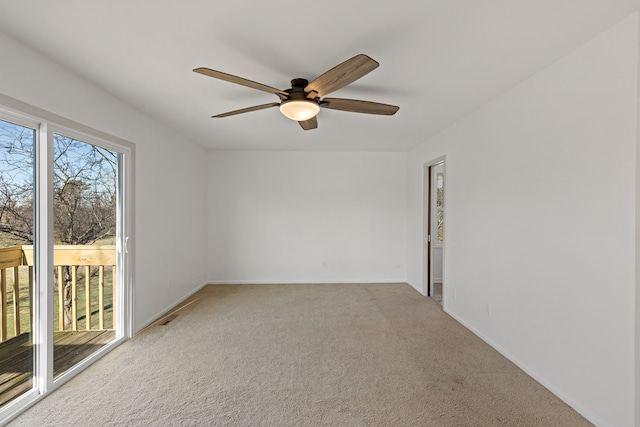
16	358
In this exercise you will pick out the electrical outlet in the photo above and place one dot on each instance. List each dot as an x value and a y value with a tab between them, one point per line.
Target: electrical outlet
488	309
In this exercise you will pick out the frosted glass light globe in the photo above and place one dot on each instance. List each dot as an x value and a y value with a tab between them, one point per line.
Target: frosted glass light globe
299	110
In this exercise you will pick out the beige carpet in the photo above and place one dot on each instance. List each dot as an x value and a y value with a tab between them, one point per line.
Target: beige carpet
304	355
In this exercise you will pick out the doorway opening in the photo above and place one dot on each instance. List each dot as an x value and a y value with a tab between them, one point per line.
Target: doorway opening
434	174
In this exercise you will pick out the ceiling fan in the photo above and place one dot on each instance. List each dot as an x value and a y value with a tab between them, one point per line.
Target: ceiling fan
302	102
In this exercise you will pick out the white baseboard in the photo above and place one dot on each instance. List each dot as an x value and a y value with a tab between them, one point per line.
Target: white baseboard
297	282
308	282
166	310
543	381
417	288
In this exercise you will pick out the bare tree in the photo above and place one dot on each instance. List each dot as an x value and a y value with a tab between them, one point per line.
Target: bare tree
84	207
16	183
84	192
84	187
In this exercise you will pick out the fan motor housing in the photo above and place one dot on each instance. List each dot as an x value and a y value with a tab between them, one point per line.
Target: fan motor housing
297	89
295	83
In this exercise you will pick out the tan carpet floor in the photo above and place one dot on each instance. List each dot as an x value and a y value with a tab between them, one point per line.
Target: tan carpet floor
304	355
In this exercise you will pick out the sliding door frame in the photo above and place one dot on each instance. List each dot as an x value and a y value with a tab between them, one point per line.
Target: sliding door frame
31	396
122	306
46	124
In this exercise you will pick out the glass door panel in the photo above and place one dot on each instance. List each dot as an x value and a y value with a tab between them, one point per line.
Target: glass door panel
85	211
17	191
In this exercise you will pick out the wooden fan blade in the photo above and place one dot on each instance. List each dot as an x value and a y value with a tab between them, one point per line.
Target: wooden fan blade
238	80
312	123
341	75
357	106
247	110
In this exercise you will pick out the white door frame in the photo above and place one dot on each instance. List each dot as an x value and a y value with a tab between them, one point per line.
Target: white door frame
427	271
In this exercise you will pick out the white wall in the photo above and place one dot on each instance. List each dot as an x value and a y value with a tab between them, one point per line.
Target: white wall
170	175
278	216
540	224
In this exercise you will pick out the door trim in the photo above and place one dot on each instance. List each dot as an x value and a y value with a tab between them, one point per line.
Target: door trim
427	271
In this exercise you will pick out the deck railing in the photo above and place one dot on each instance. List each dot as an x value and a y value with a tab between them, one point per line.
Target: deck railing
81	273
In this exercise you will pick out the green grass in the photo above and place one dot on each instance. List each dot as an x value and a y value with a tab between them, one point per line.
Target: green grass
25	309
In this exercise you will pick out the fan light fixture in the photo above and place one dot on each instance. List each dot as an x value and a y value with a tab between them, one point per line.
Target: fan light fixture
299	110
302	101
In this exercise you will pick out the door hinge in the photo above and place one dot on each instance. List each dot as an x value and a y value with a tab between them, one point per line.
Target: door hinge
429	238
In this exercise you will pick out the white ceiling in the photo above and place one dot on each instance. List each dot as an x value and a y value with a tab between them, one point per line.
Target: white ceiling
439	59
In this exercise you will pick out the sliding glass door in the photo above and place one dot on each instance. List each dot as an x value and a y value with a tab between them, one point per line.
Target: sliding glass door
17	198
85	225
64	281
